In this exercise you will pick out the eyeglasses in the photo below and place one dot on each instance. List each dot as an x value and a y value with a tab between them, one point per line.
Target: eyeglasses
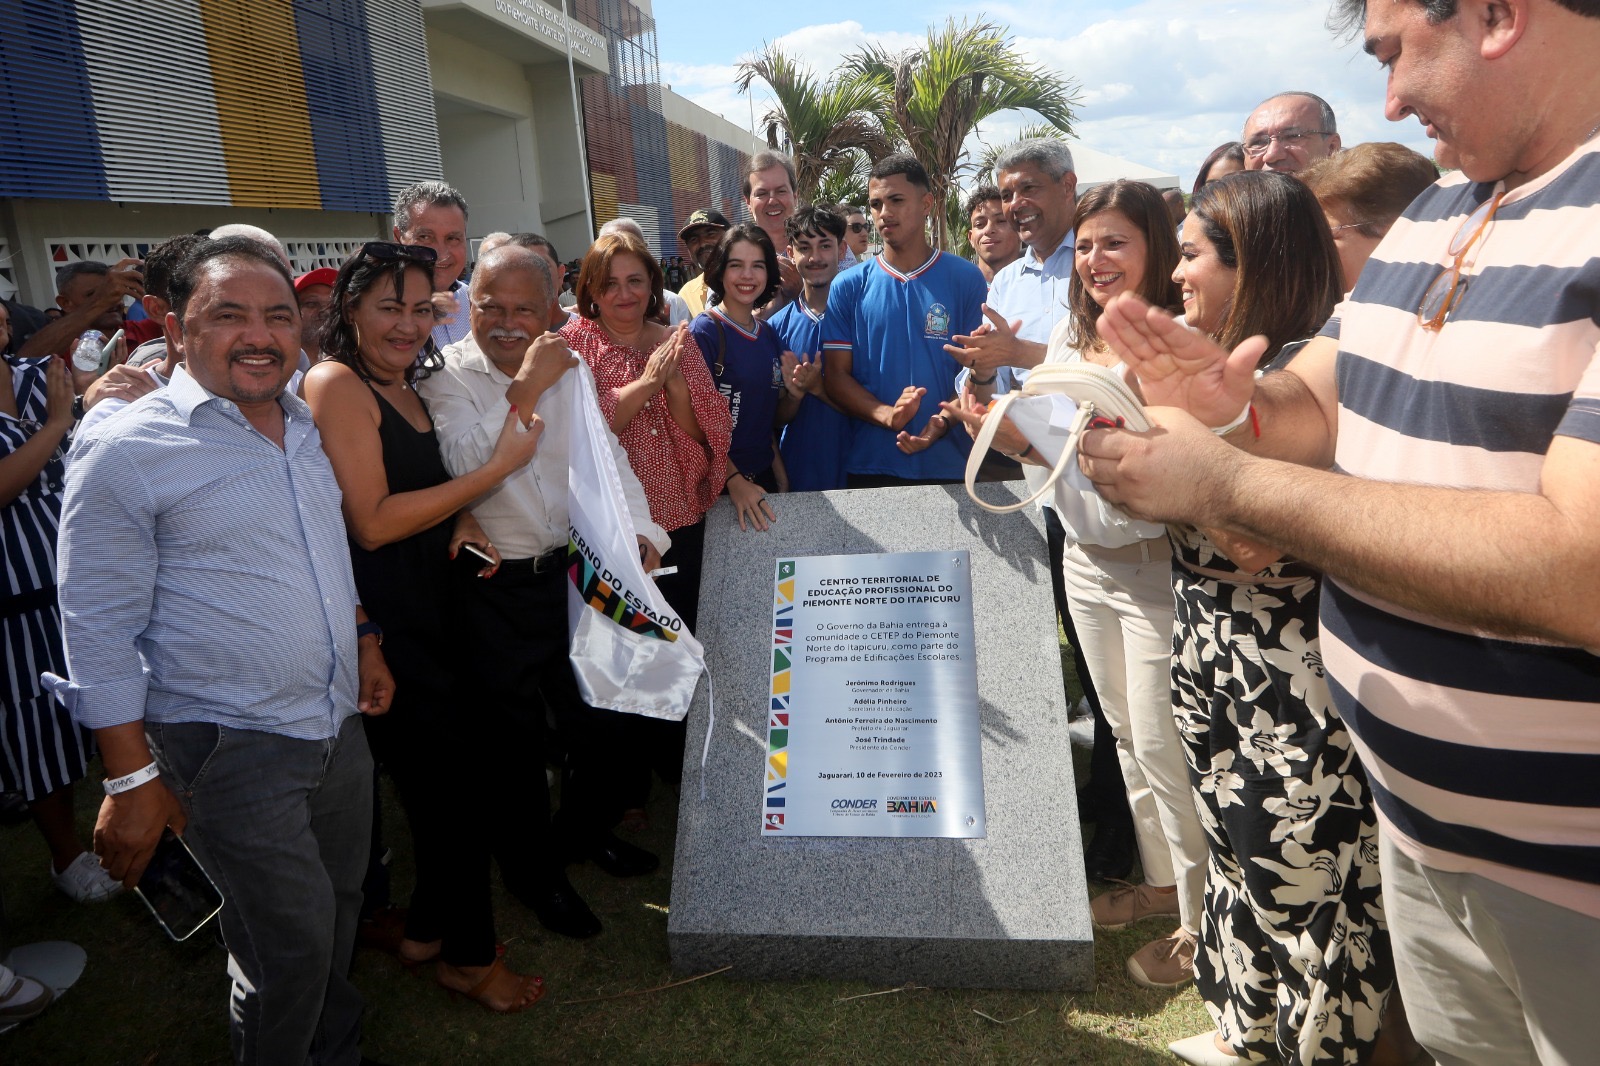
389	252
858	227
1448	288
1349	225
1289	138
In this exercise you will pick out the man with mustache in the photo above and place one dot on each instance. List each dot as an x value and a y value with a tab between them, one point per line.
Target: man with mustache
519	614
223	681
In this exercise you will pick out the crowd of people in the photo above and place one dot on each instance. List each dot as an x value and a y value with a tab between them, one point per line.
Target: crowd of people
252	561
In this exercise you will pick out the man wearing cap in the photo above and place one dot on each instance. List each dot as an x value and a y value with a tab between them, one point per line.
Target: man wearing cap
700	235
313	290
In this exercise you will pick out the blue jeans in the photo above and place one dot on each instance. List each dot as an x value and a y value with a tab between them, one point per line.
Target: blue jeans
281	825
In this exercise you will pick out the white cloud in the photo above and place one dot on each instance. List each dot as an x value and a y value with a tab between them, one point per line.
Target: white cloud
1161	82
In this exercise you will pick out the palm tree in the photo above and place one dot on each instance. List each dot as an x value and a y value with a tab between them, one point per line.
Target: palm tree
823	126
846	183
936	96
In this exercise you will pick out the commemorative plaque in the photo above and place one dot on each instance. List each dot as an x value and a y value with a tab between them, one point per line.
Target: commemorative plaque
873	723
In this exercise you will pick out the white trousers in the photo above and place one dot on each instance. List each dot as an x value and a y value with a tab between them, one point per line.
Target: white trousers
1121	601
1490	974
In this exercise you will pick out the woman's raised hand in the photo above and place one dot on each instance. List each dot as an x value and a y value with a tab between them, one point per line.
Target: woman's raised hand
663	362
516	444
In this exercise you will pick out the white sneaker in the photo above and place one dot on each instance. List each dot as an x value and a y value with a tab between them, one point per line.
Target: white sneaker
1202	1050
1080	724
85	880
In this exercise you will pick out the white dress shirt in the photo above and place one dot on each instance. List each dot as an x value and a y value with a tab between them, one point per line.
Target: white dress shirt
526	514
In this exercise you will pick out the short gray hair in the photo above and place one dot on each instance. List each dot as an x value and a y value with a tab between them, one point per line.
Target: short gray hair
1048	154
623	225
514	256
1329	123
255	233
425	194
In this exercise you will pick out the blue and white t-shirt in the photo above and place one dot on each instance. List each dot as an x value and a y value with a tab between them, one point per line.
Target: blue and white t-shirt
895	327
815	443
748	369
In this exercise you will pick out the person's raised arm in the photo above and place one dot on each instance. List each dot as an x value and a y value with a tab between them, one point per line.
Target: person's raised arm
125	279
347	417
22	467
1515	564
1295	410
469	428
993	345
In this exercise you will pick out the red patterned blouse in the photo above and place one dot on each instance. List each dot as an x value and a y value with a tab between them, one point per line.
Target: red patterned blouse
682	478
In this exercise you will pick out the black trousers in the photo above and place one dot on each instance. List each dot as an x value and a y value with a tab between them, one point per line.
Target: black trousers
517	621
1105	788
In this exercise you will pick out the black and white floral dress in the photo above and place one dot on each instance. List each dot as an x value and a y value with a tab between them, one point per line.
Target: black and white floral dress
1293	959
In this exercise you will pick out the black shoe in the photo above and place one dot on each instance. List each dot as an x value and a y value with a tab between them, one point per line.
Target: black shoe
560	909
1109	857
619	858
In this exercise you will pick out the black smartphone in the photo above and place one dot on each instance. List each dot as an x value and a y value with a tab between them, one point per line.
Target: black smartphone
176	889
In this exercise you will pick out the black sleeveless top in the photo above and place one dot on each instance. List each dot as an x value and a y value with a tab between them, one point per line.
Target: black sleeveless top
406	587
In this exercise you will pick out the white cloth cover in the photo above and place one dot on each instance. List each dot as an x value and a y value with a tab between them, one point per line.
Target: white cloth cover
630	650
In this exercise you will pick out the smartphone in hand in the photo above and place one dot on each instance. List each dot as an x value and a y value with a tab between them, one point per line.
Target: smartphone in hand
176	889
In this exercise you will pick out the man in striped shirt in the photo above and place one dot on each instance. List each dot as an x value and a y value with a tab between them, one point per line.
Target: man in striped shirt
1459	524
225	678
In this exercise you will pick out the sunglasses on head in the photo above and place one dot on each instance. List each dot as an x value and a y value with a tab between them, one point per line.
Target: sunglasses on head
389	252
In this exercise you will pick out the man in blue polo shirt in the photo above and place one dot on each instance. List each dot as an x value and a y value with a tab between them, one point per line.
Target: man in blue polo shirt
887	323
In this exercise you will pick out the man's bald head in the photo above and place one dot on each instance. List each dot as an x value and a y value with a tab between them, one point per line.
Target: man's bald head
255	233
511	296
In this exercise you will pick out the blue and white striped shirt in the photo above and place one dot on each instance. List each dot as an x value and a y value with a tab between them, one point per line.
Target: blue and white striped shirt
204	572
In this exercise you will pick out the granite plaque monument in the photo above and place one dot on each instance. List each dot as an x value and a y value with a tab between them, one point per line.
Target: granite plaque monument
1007	910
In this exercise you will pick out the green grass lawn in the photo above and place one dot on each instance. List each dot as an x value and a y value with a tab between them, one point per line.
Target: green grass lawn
144	1000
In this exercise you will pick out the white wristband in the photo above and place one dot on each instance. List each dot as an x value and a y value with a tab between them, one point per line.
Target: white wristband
1244	416
116	785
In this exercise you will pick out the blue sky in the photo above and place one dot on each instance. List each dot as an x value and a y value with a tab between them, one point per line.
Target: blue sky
1162	82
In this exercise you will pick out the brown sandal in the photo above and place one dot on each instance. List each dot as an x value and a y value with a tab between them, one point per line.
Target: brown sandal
479	991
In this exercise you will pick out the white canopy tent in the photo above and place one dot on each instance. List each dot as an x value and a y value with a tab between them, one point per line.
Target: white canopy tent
1098	168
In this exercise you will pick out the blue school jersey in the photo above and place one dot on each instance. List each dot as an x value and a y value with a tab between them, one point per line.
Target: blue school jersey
750	378
815	442
895	327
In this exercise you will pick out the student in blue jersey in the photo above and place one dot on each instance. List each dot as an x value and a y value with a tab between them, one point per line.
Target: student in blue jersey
814	444
762	383
884	335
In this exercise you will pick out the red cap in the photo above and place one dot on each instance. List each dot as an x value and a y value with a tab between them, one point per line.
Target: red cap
319	276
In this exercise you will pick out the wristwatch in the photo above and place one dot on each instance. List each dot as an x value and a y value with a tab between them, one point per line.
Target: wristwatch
370	629
77	408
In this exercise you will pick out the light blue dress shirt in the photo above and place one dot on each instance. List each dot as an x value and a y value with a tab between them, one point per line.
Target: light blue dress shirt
204	572
1034	291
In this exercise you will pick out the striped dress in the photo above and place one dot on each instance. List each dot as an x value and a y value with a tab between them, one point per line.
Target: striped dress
1483	750
41	749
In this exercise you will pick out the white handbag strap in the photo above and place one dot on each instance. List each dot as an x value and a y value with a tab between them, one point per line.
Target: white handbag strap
985	440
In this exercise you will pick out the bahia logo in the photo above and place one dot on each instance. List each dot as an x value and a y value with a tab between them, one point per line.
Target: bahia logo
855	805
912	805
